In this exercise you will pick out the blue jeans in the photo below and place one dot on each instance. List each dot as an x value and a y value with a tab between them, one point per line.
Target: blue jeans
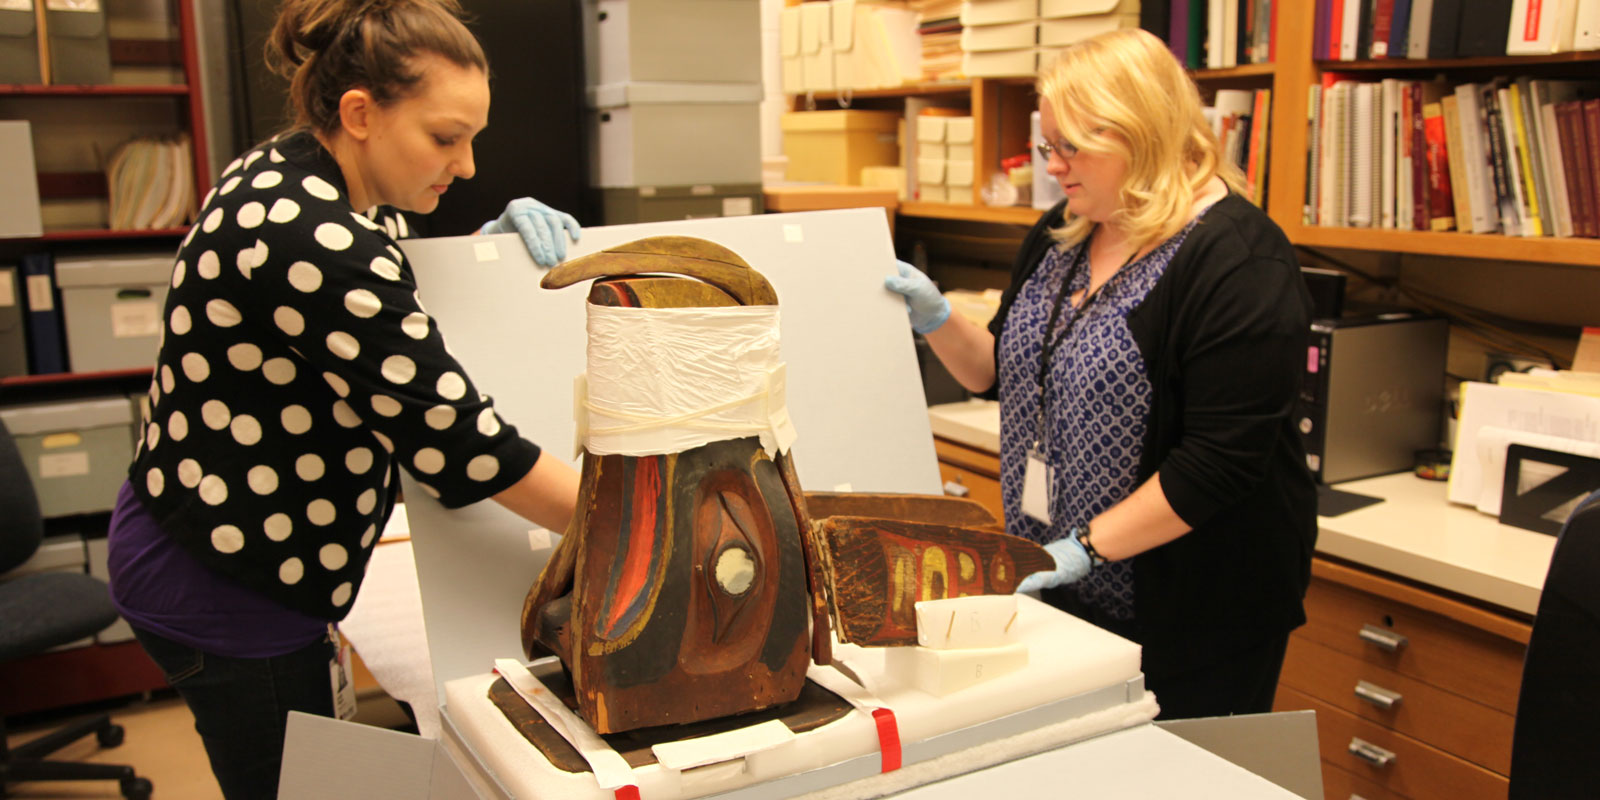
241	706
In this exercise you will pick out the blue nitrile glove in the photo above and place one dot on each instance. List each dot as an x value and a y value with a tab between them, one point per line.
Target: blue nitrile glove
541	227
928	308
1072	563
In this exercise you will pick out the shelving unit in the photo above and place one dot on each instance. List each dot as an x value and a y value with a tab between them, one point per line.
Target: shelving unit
1000	107
189	116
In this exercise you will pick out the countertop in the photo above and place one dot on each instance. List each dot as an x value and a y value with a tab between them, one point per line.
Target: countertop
1415	533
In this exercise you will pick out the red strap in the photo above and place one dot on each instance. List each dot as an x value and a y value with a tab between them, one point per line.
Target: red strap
629	792
888	738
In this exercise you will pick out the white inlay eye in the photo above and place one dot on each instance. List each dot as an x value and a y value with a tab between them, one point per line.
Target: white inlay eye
736	570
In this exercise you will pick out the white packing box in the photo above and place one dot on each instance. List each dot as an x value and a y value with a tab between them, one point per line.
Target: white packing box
696	41
674	134
938	150
875	46
958	152
958	177
789	50
19	203
958	130
932	193
77	453
995	12
1071	30
816	48
931	128
112	308
1005	36
931	170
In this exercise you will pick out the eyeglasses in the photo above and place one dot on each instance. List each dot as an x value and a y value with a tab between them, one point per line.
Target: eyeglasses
1062	146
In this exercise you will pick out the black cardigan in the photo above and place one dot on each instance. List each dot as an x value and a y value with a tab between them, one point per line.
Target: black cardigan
1223	335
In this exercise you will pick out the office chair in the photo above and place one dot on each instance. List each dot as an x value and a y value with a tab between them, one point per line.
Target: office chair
1558	709
38	612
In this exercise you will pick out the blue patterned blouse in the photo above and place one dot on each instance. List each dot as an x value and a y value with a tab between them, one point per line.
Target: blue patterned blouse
1099	403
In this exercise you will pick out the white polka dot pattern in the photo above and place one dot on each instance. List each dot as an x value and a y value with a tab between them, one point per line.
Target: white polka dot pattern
268	474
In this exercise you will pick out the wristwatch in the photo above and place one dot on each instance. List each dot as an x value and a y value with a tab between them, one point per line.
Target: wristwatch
1082	534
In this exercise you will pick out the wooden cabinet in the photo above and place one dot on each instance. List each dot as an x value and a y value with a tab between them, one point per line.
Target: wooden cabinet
1415	692
976	471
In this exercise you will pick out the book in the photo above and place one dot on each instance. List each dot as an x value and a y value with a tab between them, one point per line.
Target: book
1574	153
1444	28
1555	166
1441	210
1260	124
1495	144
1389	111
1420	203
47	339
1483	27
1541	27
1538	159
1350	37
1382	19
1478	164
1586	27
1591	134
1405	207
1400	30
1421	22
1362	152
1537	199
1460	194
1155	16
1308	215
1319	38
1527	203
1177	35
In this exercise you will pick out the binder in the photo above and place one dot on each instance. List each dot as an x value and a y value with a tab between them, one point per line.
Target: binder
19	43
1445	28
13	344
1484	26
80	49
47	341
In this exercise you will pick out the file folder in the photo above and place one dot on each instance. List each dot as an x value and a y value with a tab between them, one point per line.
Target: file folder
80	49
19	42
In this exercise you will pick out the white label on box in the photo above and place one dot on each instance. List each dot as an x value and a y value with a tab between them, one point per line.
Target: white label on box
792	234
40	296
90	6
64	465
135	319
738	206
8	291
701	190
485	251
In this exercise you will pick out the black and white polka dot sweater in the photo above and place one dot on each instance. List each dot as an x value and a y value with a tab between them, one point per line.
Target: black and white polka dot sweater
297	371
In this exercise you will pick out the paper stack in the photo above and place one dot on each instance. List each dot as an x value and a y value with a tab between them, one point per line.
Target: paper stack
150	181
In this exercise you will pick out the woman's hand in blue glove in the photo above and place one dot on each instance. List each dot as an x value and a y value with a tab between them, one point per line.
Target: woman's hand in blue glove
928	308
544	230
1072	563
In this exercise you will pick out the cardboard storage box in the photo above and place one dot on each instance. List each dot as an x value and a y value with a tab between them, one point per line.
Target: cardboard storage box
113	309
674	134
623	205
833	146
77	453
696	41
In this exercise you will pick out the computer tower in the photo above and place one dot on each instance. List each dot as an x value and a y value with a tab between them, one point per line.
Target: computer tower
1373	394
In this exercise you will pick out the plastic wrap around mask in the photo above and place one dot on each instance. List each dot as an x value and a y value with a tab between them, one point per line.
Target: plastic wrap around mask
667	380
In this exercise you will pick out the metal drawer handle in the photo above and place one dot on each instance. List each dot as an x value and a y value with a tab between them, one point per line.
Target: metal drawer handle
1382	637
1377	695
1370	753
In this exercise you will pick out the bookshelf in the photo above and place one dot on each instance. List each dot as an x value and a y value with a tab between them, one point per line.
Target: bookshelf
1290	144
1000	108
68	109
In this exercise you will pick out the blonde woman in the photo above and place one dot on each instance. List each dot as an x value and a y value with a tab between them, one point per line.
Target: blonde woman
1146	358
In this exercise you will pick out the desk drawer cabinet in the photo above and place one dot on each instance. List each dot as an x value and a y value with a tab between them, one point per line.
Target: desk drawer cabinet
1414	692
977	471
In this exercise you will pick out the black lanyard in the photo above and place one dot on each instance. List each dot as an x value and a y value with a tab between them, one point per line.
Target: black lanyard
1052	341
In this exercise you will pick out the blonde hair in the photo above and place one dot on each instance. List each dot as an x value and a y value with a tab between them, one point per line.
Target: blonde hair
1127	83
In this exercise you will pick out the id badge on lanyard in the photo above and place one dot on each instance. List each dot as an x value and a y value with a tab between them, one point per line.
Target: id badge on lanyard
1036	484
343	687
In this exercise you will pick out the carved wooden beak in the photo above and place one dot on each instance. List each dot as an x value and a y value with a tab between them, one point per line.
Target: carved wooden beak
675	255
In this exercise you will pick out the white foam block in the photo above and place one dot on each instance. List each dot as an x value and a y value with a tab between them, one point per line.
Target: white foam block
1066	657
944	672
963	622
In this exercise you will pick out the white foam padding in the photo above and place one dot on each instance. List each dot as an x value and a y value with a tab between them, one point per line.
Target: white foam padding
956	623
945	672
1067	657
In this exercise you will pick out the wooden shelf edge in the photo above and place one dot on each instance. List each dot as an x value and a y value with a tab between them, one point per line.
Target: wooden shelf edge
1011	215
88	234
1398	64
908	90
158	90
1489	246
76	377
1243	71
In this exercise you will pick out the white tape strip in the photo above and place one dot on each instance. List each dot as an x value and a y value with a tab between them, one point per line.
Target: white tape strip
610	770
667	380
